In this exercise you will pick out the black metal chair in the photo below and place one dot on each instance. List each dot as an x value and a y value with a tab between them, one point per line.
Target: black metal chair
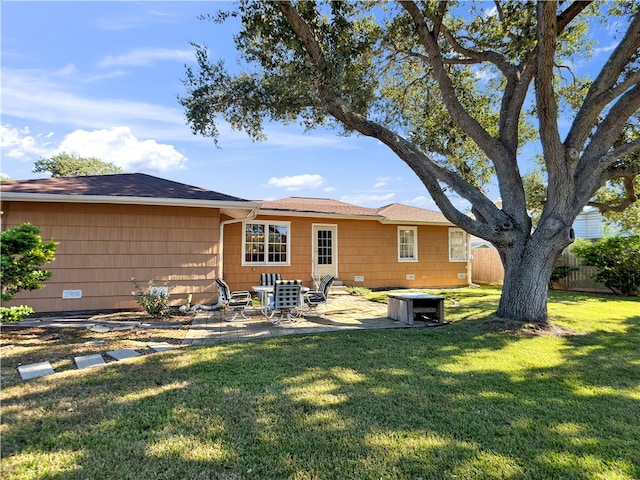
286	300
313	298
236	301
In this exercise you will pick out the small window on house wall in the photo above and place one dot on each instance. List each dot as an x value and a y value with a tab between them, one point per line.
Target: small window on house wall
458	247
407	244
266	243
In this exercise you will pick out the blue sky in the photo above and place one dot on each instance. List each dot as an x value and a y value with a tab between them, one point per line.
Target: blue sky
101	79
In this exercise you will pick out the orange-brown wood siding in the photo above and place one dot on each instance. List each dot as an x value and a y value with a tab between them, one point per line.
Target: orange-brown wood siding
365	248
103	246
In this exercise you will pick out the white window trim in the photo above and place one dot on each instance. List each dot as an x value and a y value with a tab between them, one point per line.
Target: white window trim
266	224
466	245
415	243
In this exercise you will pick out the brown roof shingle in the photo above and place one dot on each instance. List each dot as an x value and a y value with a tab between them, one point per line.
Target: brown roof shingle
138	185
399	212
317	205
395	212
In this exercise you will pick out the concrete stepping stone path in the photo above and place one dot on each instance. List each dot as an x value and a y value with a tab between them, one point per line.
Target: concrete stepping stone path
34	370
87	361
100	329
123	354
160	346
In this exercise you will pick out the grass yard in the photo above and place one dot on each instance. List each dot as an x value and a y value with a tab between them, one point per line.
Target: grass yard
480	398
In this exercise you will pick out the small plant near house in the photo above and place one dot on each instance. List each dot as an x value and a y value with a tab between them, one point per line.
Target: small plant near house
15	314
560	272
617	260
361	291
22	254
155	300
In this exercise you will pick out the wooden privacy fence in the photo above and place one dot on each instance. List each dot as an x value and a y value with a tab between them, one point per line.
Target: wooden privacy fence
486	267
580	279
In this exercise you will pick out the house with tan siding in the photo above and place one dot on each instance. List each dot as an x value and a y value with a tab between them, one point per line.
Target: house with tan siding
115	227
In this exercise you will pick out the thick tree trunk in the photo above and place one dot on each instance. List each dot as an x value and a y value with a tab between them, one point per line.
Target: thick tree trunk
527	270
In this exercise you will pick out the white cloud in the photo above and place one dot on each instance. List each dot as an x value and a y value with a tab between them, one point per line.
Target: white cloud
21	145
119	146
382	181
368	200
33	95
422	201
146	56
296	182
280	137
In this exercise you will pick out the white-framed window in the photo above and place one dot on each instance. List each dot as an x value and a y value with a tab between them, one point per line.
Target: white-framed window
266	243
458	248
407	244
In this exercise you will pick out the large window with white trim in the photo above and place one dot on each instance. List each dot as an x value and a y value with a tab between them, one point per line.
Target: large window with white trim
407	244
266	243
458	248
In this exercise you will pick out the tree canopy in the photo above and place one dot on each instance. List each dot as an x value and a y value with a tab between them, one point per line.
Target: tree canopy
70	165
455	89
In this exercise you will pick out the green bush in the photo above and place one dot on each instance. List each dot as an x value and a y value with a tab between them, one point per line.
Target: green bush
15	314
560	272
617	260
155	300
22	254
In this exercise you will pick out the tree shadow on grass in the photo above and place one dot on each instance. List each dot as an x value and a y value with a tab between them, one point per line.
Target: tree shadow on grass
461	402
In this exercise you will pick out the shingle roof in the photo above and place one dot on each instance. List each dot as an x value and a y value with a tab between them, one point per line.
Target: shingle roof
400	212
395	212
137	185
317	205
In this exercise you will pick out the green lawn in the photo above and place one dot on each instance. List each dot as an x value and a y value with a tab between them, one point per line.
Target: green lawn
477	399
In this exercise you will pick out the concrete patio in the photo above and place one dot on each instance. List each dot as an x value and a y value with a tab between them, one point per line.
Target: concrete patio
342	312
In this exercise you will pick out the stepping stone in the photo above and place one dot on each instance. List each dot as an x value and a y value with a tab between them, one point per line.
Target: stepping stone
123	354
160	346
122	327
34	370
95	342
100	328
86	361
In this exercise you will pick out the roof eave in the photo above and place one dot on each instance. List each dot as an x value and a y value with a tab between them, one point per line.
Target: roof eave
122	200
417	222
295	213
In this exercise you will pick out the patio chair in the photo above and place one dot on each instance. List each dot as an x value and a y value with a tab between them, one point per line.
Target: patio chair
286	300
269	278
236	301
313	298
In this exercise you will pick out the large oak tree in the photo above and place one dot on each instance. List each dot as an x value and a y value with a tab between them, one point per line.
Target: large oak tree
455	89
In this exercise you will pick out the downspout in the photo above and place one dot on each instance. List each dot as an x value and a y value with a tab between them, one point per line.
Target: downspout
252	214
469	263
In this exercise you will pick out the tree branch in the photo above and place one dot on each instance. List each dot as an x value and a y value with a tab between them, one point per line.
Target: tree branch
622	172
629	198
571	12
492	148
547	108
604	89
429	172
609	129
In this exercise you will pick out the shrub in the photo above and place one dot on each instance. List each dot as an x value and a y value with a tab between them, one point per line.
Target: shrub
155	301
22	254
560	272
15	314
617	260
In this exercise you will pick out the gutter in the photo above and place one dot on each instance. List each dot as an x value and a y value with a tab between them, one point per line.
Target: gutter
177	202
